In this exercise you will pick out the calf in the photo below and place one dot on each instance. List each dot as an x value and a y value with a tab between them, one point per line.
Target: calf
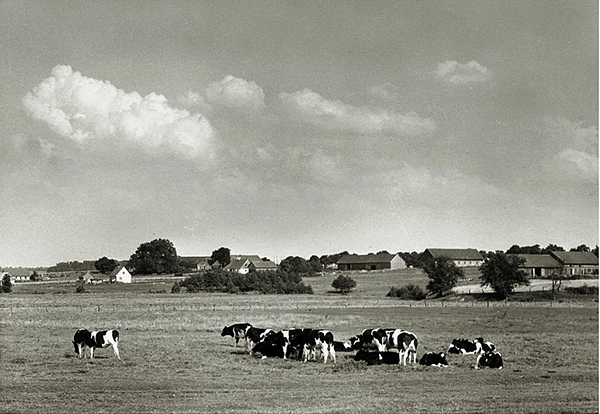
96	339
377	358
237	331
406	343
490	360
432	359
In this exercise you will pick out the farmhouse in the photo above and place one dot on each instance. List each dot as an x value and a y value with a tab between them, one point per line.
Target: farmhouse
539	264
89	278
199	262
245	264
371	262
460	257
577	263
120	275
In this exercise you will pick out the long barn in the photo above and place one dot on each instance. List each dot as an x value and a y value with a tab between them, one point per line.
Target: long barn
371	262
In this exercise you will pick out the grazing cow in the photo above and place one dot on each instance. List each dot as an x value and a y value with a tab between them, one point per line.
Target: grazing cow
96	339
274	344
432	359
489	360
468	347
313	340
377	358
237	331
370	338
406	343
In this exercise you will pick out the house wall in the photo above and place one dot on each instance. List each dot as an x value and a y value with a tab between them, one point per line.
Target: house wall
397	263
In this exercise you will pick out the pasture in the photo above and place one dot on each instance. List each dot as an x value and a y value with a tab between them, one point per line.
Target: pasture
174	359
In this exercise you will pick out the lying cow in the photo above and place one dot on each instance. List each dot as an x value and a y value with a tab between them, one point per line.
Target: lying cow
406	343
432	359
96	339
489	360
237	331
339	346
468	347
254	336
377	358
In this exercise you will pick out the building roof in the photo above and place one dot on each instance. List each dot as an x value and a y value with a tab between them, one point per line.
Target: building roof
117	269
539	260
576	258
263	265
366	258
456	254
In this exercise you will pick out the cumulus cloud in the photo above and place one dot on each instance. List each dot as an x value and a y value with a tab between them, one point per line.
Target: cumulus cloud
91	111
456	73
229	92
578	164
317	110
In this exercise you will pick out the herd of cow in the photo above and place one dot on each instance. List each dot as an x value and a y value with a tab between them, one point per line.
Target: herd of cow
375	346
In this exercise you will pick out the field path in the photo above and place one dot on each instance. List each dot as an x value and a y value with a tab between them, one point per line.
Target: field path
535	286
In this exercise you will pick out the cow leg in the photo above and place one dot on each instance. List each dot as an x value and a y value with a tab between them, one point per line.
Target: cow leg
80	351
116	349
91	352
332	353
325	353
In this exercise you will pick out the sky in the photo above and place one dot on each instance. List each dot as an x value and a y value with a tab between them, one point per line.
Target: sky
295	128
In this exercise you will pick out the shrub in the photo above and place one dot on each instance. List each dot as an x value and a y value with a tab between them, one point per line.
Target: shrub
344	284
408	292
582	290
6	284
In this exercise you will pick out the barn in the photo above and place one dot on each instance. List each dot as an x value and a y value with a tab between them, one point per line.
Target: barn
371	262
245	264
577	263
120	275
460	257
539	264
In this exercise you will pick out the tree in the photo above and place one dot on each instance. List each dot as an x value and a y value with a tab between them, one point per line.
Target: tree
158	256
315	264
581	248
6	284
344	284
443	274
297	265
502	273
105	265
221	255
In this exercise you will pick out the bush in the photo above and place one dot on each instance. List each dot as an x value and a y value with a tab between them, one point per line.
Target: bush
6	284
582	290
344	284
218	280
408	292
80	288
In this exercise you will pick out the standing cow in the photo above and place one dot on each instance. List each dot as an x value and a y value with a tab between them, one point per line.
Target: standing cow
95	339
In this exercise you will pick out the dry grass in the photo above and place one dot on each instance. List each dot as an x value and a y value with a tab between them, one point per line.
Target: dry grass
174	359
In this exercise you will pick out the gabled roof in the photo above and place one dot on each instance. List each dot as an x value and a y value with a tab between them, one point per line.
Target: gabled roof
117	269
456	254
539	260
262	265
576	258
237	263
366	258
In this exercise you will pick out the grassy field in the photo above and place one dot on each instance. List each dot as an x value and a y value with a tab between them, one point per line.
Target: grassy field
174	359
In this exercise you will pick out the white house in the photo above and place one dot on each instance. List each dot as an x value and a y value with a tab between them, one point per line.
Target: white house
120	275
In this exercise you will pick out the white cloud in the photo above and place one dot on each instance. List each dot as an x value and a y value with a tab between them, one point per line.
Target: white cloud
230	92
338	115
90	111
387	91
566	133
460	73
578	164
326	169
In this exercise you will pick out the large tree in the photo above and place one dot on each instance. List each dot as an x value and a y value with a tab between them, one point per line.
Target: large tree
105	265
221	255
502	273
158	256
297	265
443	274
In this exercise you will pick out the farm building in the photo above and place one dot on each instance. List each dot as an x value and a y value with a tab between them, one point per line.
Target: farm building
371	262
120	275
577	263
539	264
199	262
460	257
245	264
89	278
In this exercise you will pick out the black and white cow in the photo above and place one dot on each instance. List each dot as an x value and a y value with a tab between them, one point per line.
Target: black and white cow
95	339
237	331
433	359
489	360
370	338
468	347
406	343
340	346
377	358
312	340
254	336
275	344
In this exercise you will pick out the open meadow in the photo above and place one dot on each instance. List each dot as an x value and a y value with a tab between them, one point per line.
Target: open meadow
174	359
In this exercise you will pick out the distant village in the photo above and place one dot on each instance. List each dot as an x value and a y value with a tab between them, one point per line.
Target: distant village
537	262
